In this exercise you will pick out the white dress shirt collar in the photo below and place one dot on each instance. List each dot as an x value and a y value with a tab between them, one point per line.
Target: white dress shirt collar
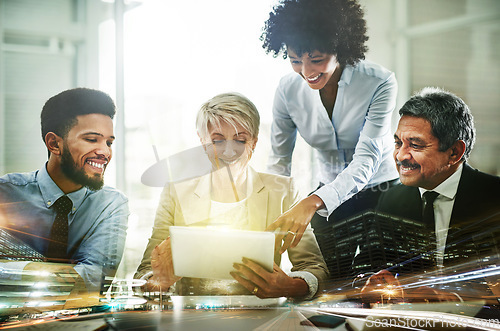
449	187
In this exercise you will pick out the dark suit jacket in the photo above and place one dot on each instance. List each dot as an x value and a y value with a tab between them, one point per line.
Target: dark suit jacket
474	229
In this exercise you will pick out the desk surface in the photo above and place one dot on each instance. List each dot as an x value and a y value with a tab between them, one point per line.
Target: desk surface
279	318
270	318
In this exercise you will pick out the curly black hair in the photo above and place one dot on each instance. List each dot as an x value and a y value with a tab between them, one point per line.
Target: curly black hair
329	26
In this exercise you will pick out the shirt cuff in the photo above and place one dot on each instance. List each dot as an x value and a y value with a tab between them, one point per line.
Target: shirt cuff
310	279
323	213
330	198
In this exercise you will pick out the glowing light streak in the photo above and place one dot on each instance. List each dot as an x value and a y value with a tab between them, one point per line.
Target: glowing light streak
456	278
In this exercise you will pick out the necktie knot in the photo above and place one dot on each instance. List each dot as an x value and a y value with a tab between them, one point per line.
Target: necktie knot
428	209
429	197
63	205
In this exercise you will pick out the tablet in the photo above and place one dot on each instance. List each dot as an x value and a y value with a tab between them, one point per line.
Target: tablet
210	253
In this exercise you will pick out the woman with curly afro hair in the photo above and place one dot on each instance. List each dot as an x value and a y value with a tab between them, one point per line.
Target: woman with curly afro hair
340	104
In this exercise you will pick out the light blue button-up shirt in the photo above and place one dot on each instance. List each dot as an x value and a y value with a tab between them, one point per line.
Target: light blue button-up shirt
97	221
354	149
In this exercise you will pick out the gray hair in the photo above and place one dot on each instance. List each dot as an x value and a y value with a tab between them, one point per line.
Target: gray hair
233	108
450	118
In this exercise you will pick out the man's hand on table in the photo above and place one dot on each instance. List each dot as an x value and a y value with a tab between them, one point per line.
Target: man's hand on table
63	274
384	286
380	286
62	278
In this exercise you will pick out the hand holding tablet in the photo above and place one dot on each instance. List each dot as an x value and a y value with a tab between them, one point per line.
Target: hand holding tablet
161	263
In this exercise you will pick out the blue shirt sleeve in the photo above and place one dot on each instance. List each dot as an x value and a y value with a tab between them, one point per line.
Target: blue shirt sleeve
283	137
374	144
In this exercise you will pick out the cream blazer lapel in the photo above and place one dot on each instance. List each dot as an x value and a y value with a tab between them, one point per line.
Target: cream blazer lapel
257	202
194	200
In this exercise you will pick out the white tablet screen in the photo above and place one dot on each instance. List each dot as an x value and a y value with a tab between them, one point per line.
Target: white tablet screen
210	253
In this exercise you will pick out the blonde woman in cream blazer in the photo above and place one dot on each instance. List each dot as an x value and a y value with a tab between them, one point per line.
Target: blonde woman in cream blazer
261	199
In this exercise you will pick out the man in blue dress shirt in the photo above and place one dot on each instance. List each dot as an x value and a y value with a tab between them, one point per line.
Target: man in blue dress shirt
77	128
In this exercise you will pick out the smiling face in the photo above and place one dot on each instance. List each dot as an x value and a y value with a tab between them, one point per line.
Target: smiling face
418	159
229	145
316	68
87	150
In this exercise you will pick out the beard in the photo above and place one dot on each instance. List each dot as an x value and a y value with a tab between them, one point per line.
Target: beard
78	175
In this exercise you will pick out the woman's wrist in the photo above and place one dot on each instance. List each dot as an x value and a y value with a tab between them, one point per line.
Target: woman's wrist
314	202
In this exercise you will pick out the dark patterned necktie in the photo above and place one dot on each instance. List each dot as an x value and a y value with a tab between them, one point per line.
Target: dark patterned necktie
428	210
430	223
58	245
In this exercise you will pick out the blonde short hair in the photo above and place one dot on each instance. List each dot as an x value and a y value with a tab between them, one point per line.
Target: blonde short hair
233	108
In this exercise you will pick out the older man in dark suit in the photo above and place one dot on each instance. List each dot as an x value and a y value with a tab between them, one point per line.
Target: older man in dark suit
459	205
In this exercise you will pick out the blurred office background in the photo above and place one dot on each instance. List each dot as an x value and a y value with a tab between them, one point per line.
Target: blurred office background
161	59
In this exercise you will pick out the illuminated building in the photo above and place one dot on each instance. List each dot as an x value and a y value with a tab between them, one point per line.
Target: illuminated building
12	248
372	241
376	241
